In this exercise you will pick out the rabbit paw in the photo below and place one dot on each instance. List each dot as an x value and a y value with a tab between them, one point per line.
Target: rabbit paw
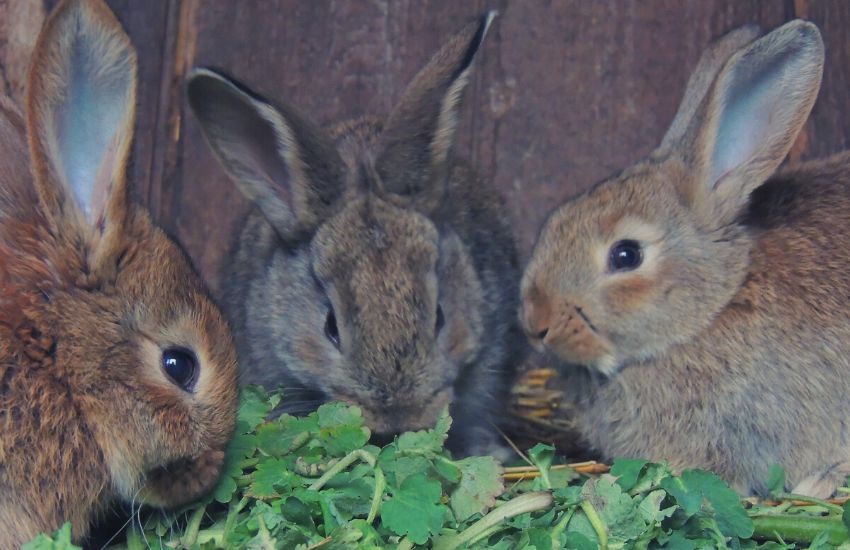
823	483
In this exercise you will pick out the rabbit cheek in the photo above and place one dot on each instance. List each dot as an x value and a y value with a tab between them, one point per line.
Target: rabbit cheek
461	342
463	337
629	294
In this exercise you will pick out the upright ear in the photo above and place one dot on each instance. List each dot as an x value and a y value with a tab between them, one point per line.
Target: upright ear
81	108
751	116
710	62
17	195
413	149
280	161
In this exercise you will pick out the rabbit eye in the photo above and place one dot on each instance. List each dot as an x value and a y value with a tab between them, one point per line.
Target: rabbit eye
441	320
180	366
625	256
331	330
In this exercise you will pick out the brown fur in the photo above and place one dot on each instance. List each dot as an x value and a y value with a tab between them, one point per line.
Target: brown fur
377	225
89	300
728	347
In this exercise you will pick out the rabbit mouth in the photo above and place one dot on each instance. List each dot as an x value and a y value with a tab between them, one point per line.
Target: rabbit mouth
182	480
575	339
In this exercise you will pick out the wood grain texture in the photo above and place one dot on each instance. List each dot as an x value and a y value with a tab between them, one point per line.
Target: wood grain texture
829	125
566	92
20	21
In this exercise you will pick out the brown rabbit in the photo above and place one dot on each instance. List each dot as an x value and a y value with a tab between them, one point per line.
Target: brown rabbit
117	373
376	268
708	304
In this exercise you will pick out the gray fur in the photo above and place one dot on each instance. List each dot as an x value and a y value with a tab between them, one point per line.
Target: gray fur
403	226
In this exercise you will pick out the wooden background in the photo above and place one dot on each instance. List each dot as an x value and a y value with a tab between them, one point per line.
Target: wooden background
565	93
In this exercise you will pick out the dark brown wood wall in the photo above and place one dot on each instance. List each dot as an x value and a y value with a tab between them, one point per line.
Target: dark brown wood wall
566	92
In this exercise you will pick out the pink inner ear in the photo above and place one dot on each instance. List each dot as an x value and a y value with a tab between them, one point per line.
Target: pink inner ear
103	184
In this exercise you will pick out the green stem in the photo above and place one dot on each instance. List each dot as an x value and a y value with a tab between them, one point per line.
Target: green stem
346	461
244	480
404	544
528	502
214	534
596	522
797	528
232	513
190	536
484	534
834	508
377	495
135	538
249	463
782	507
544	477
265	536
299	441
328	521
559	528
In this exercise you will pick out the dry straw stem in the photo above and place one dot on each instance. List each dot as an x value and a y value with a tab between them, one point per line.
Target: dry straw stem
520	473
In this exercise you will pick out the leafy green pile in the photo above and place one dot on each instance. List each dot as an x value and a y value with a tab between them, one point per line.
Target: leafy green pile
315	482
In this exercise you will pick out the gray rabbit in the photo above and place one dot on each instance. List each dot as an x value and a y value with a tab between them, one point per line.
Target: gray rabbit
375	268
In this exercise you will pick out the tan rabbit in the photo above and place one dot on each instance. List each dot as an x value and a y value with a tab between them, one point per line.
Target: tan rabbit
707	297
117	373
376	267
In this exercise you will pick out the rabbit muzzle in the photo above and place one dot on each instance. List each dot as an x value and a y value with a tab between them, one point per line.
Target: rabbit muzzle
563	327
182	480
387	421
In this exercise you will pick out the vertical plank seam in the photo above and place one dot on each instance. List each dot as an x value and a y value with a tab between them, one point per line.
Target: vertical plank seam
802	144
148	194
473	103
178	54
500	78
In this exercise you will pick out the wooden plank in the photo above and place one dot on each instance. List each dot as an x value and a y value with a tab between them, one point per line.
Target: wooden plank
828	128
331	60
592	87
146	23
566	92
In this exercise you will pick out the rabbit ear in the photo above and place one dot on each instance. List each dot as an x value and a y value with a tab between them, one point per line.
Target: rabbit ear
711	61
414	146
17	195
278	159
81	107
752	115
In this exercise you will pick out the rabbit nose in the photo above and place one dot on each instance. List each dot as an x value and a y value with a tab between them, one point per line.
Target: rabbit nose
537	314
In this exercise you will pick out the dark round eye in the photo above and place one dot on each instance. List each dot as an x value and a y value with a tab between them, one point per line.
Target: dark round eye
441	320
331	330
180	365
625	256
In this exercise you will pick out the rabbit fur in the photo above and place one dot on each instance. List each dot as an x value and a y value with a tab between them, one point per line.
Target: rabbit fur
698	302
92	295
375	268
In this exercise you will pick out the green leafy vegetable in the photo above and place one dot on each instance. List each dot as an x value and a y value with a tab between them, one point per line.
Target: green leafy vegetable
414	509
315	483
61	540
480	484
